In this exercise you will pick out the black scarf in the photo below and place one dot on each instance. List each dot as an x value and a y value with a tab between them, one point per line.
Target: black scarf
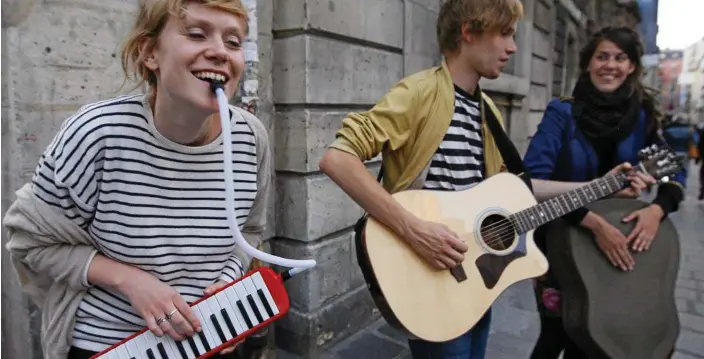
605	117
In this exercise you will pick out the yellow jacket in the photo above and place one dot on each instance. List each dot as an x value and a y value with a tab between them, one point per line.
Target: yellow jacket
411	120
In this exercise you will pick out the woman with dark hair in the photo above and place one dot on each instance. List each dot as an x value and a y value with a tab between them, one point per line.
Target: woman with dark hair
608	119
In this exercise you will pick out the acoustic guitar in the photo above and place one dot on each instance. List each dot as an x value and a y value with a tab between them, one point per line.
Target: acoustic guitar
496	218
609	313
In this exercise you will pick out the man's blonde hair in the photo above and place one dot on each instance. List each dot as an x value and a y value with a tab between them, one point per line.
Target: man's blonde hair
481	15
151	19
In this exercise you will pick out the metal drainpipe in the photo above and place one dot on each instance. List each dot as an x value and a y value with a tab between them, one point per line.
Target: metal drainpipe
248	96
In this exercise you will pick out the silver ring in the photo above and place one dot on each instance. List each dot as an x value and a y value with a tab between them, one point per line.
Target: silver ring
170	315
160	320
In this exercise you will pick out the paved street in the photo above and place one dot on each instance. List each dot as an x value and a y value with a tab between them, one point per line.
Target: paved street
515	323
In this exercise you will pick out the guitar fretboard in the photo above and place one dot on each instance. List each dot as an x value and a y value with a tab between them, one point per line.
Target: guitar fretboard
546	211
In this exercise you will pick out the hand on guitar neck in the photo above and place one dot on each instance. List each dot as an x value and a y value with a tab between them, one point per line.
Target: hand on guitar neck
638	180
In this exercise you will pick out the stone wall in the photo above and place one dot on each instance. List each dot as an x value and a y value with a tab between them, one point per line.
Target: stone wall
56	57
331	58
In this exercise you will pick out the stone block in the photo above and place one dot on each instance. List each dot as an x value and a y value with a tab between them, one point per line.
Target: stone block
367	20
420	34
418	62
306	334
541	44
420	40
368	345
311	207
543	17
686	294
540	71
432	5
506	84
58	60
538	97
33	131
534	119
335	274
691	342
315	70
303	135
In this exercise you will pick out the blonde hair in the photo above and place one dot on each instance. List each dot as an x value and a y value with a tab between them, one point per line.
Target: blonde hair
150	21
481	15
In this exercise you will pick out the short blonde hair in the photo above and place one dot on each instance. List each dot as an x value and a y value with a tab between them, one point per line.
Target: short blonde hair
481	15
151	19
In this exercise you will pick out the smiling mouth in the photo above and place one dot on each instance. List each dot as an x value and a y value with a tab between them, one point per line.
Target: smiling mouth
209	77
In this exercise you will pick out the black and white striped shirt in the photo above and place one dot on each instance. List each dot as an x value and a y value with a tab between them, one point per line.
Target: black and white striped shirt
458	162
146	201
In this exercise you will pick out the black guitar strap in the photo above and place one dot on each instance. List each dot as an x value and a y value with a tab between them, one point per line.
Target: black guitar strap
513	160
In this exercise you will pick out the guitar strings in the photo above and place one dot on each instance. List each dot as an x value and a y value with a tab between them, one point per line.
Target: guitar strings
507	226
503	228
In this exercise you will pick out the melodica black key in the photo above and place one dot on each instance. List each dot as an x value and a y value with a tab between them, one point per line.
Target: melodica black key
218	328
254	308
162	351
267	300
228	322
243	311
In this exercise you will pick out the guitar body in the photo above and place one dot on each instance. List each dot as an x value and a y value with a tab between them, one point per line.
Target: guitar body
440	305
613	314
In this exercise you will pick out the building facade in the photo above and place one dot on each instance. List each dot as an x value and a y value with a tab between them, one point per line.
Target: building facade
649	26
670	68
691	82
310	63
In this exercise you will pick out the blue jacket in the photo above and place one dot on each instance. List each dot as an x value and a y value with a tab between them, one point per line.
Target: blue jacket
579	162
558	126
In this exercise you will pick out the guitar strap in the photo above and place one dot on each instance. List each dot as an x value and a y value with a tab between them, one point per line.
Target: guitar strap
513	160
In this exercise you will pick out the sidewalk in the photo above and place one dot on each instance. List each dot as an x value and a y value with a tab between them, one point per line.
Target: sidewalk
515	324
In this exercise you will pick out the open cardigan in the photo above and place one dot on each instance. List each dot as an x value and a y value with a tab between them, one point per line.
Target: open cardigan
51	254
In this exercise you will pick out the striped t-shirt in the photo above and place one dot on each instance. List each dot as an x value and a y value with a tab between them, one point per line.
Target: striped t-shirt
458	162
146	201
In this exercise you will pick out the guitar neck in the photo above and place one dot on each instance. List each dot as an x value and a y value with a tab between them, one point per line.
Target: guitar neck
544	212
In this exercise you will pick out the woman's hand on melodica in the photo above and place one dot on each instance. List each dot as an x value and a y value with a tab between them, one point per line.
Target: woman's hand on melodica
154	299
208	292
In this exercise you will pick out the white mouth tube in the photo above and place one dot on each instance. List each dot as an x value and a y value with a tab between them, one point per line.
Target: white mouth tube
297	266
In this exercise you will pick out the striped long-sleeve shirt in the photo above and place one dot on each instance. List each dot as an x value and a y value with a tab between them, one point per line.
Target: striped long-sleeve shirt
458	162
146	201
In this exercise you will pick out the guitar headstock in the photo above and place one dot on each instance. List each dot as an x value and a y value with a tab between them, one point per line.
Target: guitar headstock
661	163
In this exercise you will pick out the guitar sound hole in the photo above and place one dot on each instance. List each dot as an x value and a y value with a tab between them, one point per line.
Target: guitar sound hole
498	232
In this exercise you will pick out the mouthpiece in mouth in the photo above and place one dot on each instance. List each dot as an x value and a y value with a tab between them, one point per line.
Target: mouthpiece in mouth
215	84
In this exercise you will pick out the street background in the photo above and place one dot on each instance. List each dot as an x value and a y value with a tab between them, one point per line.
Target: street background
308	64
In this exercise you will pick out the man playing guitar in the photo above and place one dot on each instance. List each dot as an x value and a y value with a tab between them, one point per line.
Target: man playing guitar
432	132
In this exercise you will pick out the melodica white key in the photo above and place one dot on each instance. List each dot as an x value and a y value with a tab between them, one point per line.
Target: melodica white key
234	312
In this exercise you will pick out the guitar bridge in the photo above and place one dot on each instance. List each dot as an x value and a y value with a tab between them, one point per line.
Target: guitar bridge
458	273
